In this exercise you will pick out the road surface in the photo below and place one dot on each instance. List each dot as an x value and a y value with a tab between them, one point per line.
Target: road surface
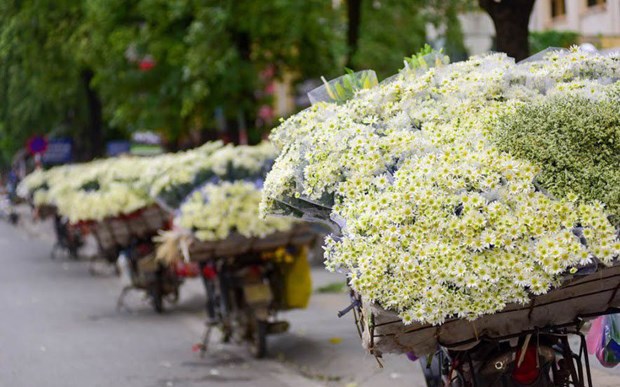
59	327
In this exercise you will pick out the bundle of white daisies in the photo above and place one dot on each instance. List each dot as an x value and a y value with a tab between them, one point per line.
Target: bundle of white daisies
229	202
460	188
96	190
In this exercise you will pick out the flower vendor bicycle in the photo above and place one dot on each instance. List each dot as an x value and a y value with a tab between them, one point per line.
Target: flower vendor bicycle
69	237
159	281
244	294
542	357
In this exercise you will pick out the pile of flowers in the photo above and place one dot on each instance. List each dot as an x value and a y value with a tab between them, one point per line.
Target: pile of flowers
36	186
172	176
217	210
576	141
229	201
117	186
443	209
95	190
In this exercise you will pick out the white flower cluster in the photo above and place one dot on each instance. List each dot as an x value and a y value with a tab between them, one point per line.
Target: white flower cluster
435	221
217	210
117	186
31	183
94	190
36	185
100	189
171	178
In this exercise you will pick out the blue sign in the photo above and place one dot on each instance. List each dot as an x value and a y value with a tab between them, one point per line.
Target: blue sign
59	151
118	147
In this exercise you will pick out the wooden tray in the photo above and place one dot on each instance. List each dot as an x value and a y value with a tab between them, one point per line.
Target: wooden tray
236	244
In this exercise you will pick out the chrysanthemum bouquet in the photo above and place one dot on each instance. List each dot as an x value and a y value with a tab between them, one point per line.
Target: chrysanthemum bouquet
101	189
460	188
229	202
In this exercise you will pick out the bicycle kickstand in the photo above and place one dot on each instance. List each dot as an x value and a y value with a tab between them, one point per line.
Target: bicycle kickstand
204	341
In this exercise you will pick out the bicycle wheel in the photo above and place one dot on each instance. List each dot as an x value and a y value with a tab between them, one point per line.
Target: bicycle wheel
157	292
258	341
157	300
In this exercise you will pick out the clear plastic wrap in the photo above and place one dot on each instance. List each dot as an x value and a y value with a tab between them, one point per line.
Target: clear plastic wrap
343	88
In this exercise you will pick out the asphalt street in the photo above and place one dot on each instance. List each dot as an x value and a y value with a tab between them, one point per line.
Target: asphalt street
59	327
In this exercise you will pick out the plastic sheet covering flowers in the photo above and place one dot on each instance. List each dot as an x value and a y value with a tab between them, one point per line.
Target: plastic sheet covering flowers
445	206
174	175
229	202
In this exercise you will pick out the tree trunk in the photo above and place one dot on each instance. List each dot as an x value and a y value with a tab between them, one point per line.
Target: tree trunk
93	133
511	19
243	43
354	16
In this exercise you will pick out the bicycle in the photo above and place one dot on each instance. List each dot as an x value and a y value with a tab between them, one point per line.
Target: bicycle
69	238
145	273
244	294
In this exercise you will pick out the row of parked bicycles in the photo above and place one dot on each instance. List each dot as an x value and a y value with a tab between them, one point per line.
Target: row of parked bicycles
244	292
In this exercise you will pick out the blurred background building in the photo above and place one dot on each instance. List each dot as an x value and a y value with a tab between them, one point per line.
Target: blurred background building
558	21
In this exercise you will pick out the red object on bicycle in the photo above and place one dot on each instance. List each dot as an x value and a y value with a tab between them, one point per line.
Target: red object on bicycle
187	270
528	371
209	272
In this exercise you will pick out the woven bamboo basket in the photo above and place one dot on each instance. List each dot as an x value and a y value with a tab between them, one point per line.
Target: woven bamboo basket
46	211
382	331
118	231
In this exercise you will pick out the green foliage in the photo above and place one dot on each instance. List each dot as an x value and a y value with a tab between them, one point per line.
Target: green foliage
389	30
540	40
40	86
207	55
576	141
443	15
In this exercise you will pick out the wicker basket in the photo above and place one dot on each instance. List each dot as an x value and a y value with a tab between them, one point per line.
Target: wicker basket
579	297
200	251
104	236
236	244
46	211
118	231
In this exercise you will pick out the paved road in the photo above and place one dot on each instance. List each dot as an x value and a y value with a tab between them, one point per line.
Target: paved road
59	327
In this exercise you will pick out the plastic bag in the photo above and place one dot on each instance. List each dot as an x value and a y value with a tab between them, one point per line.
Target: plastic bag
603	340
343	88
298	281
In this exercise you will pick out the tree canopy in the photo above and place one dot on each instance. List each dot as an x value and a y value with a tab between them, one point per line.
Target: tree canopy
99	69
